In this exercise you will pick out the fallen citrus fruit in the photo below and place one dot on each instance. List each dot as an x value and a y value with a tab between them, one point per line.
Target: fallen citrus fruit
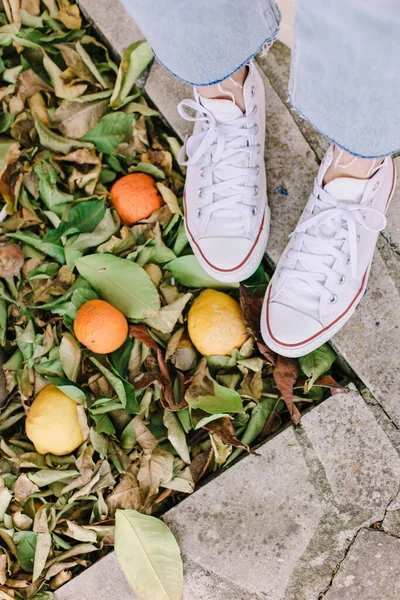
135	197
100	326
215	323
52	423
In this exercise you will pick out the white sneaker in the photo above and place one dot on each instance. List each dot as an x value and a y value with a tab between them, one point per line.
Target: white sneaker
226	210
323	272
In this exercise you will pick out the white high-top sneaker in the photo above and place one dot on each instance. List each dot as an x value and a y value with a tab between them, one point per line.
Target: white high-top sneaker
226	210
323	272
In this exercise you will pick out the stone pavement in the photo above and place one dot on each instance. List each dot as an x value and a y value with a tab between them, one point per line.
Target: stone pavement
293	523
277	525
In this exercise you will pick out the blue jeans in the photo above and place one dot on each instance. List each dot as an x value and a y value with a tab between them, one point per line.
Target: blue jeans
345	73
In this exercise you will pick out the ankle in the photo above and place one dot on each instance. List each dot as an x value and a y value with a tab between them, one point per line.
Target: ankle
348	165
229	89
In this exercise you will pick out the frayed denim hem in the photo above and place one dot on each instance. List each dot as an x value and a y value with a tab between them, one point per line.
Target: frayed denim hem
333	141
269	39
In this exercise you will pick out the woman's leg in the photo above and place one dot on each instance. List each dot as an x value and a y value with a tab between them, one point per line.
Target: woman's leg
345	81
204	42
210	43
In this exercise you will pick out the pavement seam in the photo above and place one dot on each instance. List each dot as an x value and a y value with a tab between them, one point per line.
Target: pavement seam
392	245
337	518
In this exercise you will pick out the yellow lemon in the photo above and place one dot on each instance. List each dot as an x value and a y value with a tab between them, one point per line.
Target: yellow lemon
215	323
52	423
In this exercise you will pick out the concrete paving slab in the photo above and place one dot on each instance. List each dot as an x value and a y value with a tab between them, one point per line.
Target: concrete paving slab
274	526
370	570
113	22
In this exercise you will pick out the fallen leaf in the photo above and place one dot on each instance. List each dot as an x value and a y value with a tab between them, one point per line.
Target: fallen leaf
285	375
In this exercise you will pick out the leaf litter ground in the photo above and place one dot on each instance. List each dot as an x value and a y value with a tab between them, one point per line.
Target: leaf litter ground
159	417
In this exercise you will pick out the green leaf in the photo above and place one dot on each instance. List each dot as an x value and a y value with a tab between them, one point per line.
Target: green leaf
70	356
176	435
122	283
210	418
3	321
45	477
90	64
316	363
188	271
85	216
104	230
52	197
57	142
210	396
134	60
168	316
152	170
110	131
149	556
103	424
125	391
25	542
6	120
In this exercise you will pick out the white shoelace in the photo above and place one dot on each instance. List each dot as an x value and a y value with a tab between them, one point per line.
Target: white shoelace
224	150
333	224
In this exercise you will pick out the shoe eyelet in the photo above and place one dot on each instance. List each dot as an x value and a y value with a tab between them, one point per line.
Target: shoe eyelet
255	109
254	210
256	190
253	91
280	273
369	202
258	148
198	213
348	261
202	172
200	192
358	239
376	186
333	299
257	168
256	131
342	279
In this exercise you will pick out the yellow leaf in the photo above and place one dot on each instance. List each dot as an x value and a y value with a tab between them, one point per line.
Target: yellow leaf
69	15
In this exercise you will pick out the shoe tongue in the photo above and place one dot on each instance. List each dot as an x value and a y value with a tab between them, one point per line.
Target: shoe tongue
347	188
223	110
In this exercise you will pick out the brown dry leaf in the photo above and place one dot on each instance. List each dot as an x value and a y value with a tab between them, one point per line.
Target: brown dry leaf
155	468
324	381
200	464
31	6
160	158
75	119
144	437
69	15
223	427
75	62
141	333
28	84
82	156
9	167
251	309
126	494
3	568
285	375
60	579
38	108
23	488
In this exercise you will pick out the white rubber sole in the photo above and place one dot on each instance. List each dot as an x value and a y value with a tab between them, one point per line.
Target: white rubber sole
250	265
325	336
